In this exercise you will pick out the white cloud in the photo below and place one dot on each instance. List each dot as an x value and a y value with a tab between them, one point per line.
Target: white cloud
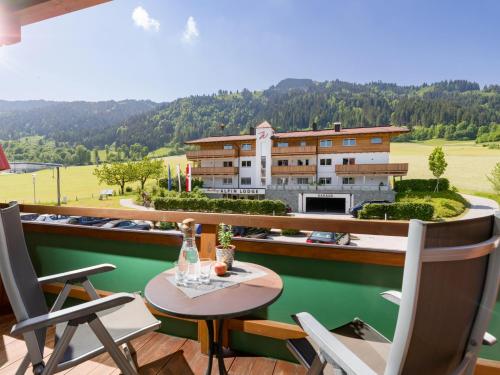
142	19
191	32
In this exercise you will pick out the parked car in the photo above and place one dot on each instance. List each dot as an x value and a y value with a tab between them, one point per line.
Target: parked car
259	233
329	238
51	218
358	207
128	224
88	220
29	217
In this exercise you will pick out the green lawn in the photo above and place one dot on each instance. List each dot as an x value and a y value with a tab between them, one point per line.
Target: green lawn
446	204
78	185
468	163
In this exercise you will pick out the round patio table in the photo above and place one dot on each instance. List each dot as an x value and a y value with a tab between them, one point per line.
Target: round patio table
230	302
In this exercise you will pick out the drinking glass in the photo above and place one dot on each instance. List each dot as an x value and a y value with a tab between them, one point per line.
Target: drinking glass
181	273
205	270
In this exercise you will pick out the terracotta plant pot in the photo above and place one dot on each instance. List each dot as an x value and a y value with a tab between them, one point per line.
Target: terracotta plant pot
225	255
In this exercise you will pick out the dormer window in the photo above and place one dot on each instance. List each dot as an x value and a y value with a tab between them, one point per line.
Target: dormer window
376	140
246	147
228	147
349	142
282	144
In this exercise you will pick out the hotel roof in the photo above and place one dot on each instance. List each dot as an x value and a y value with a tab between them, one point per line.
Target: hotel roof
394	130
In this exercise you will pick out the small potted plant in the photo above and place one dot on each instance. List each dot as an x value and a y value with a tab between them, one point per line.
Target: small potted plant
224	252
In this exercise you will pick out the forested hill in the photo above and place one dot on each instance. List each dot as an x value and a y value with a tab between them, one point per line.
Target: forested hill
88	123
452	109
461	109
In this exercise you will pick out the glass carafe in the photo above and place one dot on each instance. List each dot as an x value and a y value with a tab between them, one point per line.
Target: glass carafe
189	253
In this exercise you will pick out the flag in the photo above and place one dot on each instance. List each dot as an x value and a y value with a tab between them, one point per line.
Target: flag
179	177
188	177
4	163
169	179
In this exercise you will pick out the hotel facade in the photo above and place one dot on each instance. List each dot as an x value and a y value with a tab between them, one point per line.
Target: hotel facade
313	171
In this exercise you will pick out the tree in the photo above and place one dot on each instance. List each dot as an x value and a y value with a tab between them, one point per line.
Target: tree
437	164
146	169
494	178
116	174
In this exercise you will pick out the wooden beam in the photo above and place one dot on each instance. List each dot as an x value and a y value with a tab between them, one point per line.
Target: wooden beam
42	10
377	227
487	367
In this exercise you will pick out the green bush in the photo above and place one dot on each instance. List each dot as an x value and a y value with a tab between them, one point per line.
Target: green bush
421	185
398	211
242	206
165	225
290	232
129	189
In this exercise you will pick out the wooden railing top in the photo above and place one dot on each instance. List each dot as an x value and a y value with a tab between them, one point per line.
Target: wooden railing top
376	227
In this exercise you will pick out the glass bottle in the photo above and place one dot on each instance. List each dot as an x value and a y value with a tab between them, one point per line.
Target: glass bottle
189	252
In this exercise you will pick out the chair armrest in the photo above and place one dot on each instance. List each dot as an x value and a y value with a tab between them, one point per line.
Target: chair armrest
392	296
395	297
71	313
489	339
76	274
332	349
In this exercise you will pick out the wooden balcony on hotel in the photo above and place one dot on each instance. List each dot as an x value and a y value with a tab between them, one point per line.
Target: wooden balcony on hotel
388	169
293	169
297	150
216	153
208	171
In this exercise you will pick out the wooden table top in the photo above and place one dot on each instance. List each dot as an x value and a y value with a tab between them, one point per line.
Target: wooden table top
230	302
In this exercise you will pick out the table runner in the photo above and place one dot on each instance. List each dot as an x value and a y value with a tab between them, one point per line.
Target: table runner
240	272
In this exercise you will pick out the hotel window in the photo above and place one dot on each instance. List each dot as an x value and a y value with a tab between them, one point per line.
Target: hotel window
303	162
246	147
228	147
376	140
246	163
282	180
349	142
282	144
325	143
227	164
302	181
282	163
325	161
350	161
246	181
348	181
227	181
303	143
325	180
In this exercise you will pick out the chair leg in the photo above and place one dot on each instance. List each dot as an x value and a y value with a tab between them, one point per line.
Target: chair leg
129	351
111	347
25	364
60	348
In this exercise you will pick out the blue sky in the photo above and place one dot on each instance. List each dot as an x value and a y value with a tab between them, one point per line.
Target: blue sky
171	49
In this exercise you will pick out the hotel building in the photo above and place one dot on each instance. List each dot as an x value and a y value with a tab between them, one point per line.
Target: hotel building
313	171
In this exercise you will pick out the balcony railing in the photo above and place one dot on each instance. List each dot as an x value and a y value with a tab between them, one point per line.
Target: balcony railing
330	187
293	169
342	270
296	150
202	154
389	169
204	171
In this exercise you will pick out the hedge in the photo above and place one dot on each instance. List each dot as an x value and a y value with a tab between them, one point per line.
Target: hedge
397	211
421	185
237	206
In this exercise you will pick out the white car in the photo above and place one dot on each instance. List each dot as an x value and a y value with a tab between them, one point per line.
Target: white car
51	218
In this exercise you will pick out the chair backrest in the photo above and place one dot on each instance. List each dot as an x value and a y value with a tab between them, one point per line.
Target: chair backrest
450	285
18	275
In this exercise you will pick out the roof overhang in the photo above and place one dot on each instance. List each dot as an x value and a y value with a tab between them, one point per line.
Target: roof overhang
16	13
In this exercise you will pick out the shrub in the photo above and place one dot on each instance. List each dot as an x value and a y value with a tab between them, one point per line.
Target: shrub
165	225
129	189
290	232
421	185
242	206
397	211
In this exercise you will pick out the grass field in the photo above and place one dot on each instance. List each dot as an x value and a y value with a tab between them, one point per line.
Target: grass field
468	163
78	185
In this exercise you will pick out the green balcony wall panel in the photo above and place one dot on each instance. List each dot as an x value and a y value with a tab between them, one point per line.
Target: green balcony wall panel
335	292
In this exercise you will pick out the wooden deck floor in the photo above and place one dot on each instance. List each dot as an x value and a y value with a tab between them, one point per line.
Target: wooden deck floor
156	354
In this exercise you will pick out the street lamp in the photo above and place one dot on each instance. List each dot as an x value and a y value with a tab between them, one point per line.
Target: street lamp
34	187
